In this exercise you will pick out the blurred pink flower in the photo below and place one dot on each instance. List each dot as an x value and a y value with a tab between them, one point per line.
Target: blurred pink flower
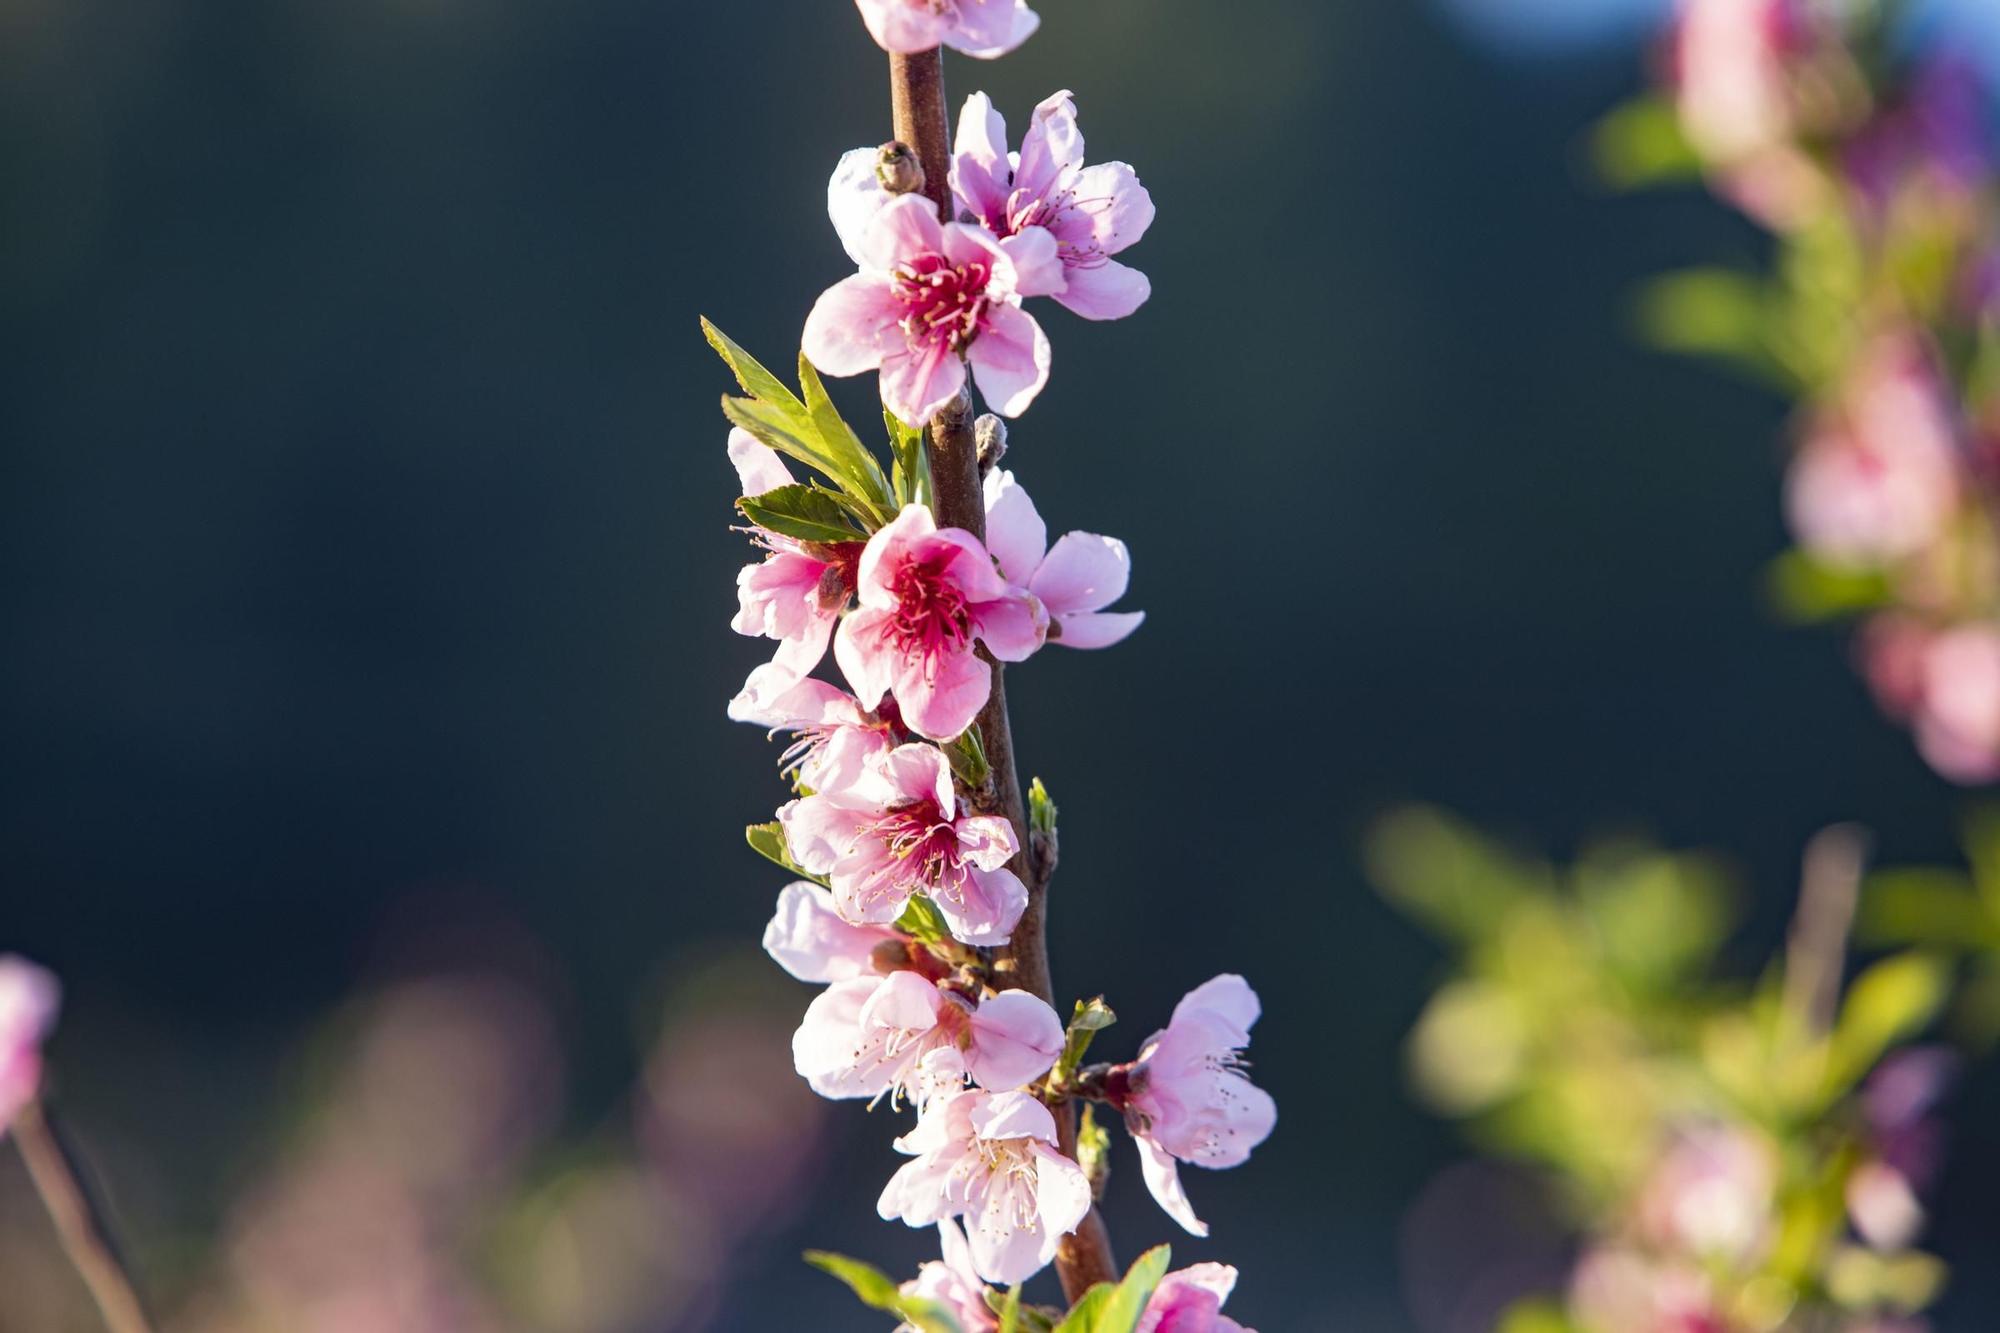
990	1157
929	299
1187	1098
953	1282
1878	479
867	1036
1618	1291
1903	1142
29	998
1191	1301
795	595
1957	716
835	741
910	837
927	594
1731	63
1074	582
982	28
809	938
1711	1195
1091	213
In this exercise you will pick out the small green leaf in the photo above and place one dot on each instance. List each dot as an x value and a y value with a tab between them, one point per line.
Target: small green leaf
1806	590
1889	1002
756	381
911	462
1093	1150
879	1292
1041	809
1108	1309
1010	1313
1535	1316
768	841
922	921
1092	1016
805	512
1709	312
968	759
1932	908
1641	143
1082	1317
842	446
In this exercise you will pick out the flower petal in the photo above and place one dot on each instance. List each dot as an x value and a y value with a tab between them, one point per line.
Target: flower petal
853	325
1015	1040
1083	572
807	937
1051	145
1013	628
1015	534
1116	206
940	700
1010	360
986	909
1096	629
1105	289
854	195
1163	1178
758	467
987	29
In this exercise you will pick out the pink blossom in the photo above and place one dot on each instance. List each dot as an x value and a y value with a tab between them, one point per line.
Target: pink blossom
926	594
953	1283
796	594
929	299
1878	479
1091	212
990	1158
1711	1195
1732	84
868	1036
809	938
1191	1301
909	835
1074	581
1957	717
1883	1205
1187	1099
1620	1291
835	741
982	28
29	997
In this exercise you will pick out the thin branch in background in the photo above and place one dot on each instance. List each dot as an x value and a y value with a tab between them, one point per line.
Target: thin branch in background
79	1220
1816	947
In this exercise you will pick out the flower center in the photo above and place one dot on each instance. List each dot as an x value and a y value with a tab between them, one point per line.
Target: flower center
1002	1164
944	303
931	619
922	837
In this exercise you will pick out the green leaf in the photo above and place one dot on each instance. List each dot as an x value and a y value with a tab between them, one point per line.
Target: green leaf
1010	1313
1932	908
756	381
1108	1309
1806	590
879	1292
843	447
911	463
1041	809
922	921
968	759
1092	1016
806	512
1709	312
1641	144
1093	1149
1535	1316
1888	1003
768	841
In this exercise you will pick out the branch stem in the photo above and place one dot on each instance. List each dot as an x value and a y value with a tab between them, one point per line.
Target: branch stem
78	1221
916	86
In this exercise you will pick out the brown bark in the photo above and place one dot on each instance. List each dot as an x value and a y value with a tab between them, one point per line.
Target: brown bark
916	84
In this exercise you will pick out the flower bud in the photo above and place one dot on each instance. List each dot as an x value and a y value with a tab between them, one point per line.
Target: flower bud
889	956
990	434
896	166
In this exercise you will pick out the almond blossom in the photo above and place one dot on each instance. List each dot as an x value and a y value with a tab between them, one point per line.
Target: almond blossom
29	998
1190	1301
809	938
927	594
1074	581
1957	713
990	1158
930	299
835	741
982	28
1186	1098
797	593
1711	1194
953	1283
868	1036
1092	213
908	835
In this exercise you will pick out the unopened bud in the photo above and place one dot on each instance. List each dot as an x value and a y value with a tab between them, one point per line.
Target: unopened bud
896	166
990	434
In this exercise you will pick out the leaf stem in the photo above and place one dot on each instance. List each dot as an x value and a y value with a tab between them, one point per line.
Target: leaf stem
79	1222
916	87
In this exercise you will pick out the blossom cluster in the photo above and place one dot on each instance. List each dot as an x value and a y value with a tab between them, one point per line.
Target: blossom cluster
911	880
1871	159
1737	1160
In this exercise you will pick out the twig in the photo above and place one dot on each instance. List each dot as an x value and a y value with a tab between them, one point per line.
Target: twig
1816	947
916	84
78	1221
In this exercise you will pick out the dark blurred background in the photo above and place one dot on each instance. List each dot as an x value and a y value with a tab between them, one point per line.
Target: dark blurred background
368	568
